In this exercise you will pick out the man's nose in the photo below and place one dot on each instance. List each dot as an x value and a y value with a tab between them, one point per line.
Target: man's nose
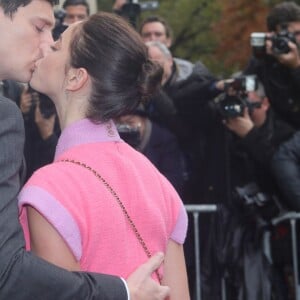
46	43
153	37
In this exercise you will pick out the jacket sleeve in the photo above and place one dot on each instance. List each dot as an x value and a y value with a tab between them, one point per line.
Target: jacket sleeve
22	275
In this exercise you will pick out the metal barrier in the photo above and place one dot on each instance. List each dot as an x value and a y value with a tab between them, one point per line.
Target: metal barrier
292	217
196	210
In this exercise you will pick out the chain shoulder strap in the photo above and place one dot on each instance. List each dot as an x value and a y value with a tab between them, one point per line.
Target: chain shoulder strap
120	203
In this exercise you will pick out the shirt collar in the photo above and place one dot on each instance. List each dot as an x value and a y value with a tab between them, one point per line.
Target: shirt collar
85	131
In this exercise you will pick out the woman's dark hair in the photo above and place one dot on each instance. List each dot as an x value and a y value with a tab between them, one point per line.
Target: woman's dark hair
283	13
115	57
11	6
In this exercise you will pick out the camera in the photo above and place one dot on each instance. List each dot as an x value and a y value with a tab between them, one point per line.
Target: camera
279	42
233	105
59	27
130	134
132	9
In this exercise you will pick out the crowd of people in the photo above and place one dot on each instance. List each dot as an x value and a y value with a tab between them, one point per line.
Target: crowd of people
112	126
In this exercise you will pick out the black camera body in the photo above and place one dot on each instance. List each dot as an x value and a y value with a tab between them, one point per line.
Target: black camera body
132	9
131	135
232	106
60	27
279	40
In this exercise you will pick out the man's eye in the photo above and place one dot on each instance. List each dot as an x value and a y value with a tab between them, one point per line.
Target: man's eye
39	29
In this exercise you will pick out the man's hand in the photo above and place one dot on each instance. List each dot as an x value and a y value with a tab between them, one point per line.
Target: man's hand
26	101
240	125
142	286
290	59
118	4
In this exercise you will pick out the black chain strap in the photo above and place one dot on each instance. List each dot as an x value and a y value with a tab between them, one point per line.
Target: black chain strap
114	194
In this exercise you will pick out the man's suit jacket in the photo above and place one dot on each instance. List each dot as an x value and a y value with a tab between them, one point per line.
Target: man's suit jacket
22	275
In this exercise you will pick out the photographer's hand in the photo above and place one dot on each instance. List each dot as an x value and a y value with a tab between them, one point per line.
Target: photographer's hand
290	59
26	101
241	126
118	4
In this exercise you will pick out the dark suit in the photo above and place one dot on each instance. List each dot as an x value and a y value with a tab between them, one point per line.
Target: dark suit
22	275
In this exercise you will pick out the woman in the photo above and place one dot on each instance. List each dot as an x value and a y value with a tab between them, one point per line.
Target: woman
101	205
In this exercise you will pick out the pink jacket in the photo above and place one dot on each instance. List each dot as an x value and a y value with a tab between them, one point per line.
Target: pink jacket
85	213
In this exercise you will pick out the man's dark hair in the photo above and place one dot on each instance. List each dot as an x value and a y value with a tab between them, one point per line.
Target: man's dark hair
76	2
152	19
282	14
11	6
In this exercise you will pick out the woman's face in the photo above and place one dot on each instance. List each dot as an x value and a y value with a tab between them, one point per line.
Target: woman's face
50	71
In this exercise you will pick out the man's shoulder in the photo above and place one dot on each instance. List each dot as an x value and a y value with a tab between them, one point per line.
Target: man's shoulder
186	68
5	102
9	108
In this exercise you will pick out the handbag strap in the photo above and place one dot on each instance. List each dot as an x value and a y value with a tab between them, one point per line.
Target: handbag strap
120	203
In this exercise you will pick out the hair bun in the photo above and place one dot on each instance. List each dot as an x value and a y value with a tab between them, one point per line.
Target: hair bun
150	79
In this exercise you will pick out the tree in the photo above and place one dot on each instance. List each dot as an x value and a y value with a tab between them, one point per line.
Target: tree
239	18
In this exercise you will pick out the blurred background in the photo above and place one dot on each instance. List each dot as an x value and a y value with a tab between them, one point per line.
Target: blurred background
213	31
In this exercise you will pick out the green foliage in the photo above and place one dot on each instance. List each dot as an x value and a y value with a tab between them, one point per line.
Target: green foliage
105	5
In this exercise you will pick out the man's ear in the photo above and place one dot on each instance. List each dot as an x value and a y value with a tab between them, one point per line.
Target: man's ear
76	78
266	103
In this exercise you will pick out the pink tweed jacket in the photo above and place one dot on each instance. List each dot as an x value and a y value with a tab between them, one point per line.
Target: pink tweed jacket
85	213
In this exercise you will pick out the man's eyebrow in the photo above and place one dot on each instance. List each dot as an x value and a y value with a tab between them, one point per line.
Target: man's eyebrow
48	22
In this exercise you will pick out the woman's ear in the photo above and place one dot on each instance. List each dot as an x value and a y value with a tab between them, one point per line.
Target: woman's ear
76	78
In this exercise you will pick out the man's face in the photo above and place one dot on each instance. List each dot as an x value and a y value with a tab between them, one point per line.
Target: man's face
156	55
75	13
258	114
24	38
294	27
155	31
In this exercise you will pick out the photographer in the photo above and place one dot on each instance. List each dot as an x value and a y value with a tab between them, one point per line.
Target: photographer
75	10
279	67
243	135
41	129
181	107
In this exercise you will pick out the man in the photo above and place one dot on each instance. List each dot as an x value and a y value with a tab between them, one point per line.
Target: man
155	28
75	10
25	28
280	72
40	119
238	178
